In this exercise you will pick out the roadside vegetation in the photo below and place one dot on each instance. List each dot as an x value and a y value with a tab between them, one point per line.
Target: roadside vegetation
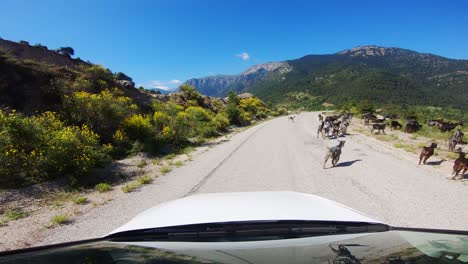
12	215
84	119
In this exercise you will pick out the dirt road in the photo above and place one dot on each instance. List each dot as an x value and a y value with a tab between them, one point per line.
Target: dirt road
282	155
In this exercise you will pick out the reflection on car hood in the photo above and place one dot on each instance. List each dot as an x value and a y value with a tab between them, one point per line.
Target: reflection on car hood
243	206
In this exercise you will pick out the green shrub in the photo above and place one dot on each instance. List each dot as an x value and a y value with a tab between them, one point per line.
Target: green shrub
103	187
282	111
102	112
80	200
160	120
38	148
221	122
179	163
181	128
60	219
245	118
170	156
165	170
254	106
15	214
198	114
137	127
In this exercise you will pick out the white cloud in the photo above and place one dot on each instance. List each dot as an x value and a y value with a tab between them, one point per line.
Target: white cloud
174	82
244	56
162	87
157	84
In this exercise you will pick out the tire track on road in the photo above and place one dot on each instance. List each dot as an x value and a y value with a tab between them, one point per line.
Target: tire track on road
208	176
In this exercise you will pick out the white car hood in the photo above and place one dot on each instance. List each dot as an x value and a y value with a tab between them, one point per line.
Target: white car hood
243	206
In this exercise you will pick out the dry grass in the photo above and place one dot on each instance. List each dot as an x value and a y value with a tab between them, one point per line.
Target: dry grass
388	138
131	187
406	147
142	163
59	219
145	179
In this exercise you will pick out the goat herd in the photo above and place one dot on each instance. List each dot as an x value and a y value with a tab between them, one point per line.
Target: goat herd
335	126
412	125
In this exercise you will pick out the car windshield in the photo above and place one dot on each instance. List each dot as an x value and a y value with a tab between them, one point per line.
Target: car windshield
384	247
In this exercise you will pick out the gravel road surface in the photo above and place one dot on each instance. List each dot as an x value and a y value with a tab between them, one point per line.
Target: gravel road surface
284	155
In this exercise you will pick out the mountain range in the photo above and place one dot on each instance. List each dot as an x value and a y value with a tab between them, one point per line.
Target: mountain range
379	74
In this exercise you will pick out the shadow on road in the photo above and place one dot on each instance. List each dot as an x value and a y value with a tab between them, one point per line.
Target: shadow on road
435	163
347	163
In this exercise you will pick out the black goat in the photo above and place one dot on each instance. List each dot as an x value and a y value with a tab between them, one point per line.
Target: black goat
378	127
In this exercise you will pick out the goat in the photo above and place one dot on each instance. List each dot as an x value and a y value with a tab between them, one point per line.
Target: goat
447	127
432	123
331	118
291	118
412	127
391	116
395	125
324	129
334	153
460	164
378	127
320	128
320	117
453	141
427	152
379	120
336	129
457	138
344	127
368	117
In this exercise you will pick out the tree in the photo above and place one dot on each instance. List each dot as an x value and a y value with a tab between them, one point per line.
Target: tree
189	91
122	76
232	98
232	110
68	51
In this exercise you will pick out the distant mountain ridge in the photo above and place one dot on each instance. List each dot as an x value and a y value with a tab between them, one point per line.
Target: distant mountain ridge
219	85
380	74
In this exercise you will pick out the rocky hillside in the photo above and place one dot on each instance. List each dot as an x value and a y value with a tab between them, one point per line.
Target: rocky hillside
219	85
38	53
35	79
379	74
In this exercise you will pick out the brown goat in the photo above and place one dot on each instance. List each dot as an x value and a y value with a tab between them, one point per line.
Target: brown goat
460	164
427	152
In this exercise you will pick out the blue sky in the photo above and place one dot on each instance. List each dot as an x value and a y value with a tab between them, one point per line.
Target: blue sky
160	43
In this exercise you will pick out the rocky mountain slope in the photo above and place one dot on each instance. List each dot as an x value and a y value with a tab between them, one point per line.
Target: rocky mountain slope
379	74
219	85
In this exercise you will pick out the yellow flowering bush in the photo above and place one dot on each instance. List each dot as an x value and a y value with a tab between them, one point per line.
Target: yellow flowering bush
102	112
137	127
37	148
